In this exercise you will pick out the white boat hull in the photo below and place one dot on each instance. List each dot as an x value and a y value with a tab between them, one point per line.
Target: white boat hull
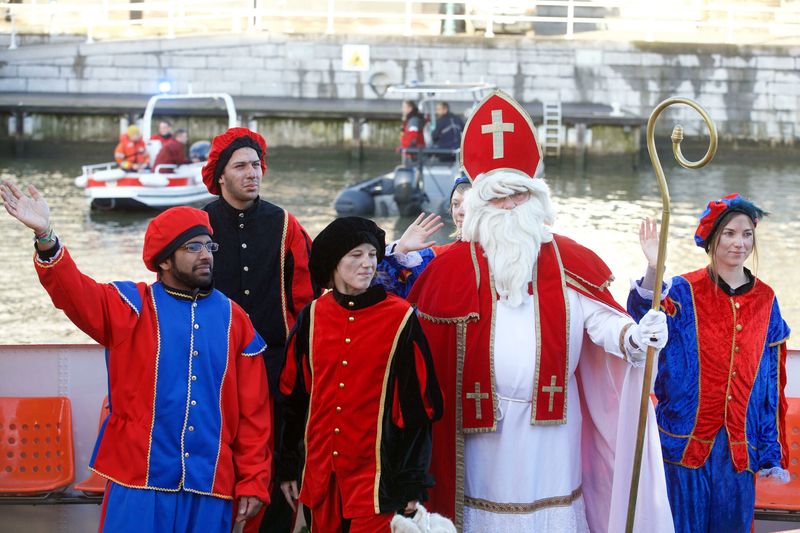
111	188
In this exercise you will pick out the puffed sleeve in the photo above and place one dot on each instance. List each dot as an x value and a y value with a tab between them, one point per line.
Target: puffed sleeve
252	446
107	312
295	389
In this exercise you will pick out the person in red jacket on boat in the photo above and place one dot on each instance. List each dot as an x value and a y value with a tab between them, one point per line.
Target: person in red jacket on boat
412	136
164	131
131	153
173	152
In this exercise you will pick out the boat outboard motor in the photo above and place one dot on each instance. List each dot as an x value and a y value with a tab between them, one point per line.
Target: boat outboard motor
199	150
354	202
407	193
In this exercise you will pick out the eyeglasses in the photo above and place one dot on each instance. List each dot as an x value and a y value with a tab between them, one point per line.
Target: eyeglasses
197	247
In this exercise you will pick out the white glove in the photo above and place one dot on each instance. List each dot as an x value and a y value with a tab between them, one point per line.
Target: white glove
776	475
422	522
650	331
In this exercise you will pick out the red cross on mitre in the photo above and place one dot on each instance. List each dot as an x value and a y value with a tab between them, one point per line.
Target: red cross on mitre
499	135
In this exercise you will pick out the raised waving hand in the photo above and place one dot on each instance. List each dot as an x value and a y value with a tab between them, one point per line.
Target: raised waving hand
32	210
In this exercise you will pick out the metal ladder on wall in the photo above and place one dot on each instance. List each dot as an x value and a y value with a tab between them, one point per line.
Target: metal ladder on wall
552	128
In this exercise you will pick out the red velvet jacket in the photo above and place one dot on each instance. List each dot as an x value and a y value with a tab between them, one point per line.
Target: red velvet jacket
360	368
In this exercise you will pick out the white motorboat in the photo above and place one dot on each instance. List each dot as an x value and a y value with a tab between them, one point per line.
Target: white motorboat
109	187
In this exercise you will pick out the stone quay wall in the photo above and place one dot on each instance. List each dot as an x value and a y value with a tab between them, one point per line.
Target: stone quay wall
752	93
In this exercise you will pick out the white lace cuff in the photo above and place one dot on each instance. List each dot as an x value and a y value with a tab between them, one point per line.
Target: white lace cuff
409	260
647	294
776	474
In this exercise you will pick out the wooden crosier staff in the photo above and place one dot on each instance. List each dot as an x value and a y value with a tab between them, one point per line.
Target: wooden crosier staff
677	137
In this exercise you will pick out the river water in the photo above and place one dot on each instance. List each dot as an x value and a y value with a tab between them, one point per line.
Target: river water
600	205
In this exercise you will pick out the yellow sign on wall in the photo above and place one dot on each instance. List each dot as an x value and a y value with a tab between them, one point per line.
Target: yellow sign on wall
355	57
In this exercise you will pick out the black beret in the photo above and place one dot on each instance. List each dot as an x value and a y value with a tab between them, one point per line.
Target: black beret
336	240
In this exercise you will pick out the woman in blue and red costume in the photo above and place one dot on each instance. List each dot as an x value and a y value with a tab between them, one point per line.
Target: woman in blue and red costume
720	381
358	381
408	257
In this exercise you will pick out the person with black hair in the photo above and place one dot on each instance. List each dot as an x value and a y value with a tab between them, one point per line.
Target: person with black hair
408	257
173	152
360	392
447	133
411	135
262	263
721	377
185	447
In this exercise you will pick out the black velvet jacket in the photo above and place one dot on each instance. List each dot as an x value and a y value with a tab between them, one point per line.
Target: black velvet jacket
256	245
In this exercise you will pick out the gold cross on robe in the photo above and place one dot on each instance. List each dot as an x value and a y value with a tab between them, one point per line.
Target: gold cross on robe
478	396
551	390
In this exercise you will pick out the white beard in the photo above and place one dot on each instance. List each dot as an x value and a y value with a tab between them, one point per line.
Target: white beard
511	238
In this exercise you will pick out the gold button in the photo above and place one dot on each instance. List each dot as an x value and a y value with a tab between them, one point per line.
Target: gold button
336	430
335	453
733	374
338	409
730	397
246	269
341	385
347	340
736	349
244	245
247	291
738	327
736	305
350	319
344	363
351	304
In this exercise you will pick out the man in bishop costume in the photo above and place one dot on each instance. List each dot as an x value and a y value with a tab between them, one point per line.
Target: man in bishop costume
541	370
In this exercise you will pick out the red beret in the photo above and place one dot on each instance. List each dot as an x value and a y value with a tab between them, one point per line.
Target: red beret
223	146
169	230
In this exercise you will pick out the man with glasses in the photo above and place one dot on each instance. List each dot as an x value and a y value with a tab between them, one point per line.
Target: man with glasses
263	260
190	408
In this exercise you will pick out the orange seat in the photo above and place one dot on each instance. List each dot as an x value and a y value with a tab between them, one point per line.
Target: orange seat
770	495
35	445
94	484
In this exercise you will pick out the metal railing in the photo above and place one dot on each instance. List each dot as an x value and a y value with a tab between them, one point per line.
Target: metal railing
742	21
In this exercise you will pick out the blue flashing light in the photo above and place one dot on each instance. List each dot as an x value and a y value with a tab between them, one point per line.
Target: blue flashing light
164	86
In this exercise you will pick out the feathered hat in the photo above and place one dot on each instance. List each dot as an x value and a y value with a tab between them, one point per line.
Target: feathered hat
716	209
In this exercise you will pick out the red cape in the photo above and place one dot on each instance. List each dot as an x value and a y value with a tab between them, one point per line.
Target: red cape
454	298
